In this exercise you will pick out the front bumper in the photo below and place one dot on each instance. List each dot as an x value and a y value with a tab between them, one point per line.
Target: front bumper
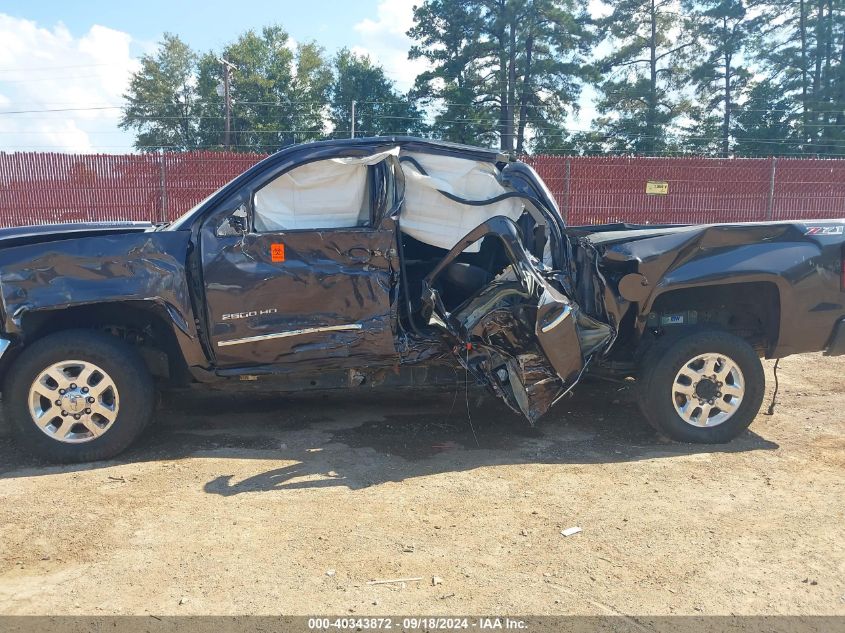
836	346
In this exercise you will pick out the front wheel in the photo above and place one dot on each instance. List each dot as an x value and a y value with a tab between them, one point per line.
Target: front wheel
704	387
78	395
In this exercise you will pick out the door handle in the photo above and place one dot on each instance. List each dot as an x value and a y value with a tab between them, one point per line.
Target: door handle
361	255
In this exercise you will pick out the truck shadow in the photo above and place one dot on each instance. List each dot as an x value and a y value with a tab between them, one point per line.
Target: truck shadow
358	440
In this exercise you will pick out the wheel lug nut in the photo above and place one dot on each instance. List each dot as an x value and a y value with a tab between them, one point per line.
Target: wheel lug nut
62	391
88	411
85	389
90	399
76	417
58	402
73	385
64	413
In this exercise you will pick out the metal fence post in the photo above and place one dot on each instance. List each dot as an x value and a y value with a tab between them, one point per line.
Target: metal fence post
771	204
163	187
568	193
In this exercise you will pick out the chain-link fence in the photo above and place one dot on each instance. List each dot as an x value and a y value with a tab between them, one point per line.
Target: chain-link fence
598	189
39	188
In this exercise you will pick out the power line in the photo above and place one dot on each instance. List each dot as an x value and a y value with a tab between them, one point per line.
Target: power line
61	110
598	135
32	68
322	104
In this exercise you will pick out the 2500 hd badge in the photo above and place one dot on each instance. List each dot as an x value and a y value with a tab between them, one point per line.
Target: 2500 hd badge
247	315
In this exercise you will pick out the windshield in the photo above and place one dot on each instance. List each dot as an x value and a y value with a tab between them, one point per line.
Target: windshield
182	219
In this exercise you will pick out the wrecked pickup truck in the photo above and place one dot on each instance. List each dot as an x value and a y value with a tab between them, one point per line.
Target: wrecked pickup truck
402	262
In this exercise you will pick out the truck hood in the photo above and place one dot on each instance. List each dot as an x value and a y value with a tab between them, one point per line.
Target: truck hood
17	235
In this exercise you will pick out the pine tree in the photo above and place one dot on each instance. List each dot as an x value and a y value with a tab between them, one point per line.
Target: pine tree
803	53
449	34
769	124
719	74
505	69
643	75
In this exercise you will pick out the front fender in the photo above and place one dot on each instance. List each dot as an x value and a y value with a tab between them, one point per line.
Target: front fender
146	267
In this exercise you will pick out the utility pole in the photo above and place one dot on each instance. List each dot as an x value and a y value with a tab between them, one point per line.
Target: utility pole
227	102
352	134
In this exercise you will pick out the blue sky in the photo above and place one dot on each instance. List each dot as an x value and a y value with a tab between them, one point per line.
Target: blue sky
205	25
76	56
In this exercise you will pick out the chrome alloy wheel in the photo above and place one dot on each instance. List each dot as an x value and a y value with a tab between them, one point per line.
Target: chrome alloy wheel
708	390
73	401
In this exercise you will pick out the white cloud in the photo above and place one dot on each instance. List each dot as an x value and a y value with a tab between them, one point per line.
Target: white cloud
385	41
599	8
48	68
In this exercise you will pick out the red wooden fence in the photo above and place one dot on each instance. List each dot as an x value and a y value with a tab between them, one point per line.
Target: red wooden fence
597	189
39	188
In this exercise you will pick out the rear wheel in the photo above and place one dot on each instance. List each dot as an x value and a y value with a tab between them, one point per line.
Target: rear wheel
78	396
702	387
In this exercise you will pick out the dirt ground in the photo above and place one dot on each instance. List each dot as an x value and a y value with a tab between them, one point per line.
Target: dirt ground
267	505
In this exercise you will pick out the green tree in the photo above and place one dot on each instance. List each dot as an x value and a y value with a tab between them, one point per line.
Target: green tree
209	108
721	30
161	102
803	53
449	34
643	76
501	68
770	125
380	109
552	139
278	91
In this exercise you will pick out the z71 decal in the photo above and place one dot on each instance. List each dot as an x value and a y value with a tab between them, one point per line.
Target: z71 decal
825	230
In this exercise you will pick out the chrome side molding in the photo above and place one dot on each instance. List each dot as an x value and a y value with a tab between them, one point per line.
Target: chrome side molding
307	330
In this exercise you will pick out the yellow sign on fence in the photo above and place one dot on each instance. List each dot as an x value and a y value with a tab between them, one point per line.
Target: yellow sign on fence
657	187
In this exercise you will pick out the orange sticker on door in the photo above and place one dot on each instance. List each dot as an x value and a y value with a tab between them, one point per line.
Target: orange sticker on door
277	252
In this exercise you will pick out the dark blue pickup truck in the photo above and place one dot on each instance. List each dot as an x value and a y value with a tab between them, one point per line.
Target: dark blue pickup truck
390	262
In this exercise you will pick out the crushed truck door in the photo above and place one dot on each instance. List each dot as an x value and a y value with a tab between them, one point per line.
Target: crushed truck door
519	335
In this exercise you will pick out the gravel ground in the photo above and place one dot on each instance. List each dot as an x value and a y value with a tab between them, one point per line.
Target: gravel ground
264	505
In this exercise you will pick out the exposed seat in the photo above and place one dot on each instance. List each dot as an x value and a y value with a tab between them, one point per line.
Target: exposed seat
463	280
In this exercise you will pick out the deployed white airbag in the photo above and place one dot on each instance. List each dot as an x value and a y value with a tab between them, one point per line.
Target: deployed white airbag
434	219
325	194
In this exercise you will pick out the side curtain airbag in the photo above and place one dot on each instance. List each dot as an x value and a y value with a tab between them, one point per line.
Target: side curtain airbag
324	194
435	219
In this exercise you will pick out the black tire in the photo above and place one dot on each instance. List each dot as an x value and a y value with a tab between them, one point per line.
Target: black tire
116	358
660	366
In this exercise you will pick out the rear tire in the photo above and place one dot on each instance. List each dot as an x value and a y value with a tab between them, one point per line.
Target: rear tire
703	387
78	395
